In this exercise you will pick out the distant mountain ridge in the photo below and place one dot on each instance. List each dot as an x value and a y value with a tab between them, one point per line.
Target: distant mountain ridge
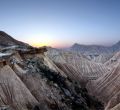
96	49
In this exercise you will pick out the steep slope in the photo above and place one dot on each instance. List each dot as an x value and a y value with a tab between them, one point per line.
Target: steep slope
114	103
83	67
101	58
116	47
113	60
72	73
7	40
13	91
106	86
117	107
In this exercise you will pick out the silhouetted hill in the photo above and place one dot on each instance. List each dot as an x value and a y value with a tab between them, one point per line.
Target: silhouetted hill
7	40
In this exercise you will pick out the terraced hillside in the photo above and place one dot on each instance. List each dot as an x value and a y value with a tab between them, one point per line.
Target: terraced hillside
105	75
86	68
107	88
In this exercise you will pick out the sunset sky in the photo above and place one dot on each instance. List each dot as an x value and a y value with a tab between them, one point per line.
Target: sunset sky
61	23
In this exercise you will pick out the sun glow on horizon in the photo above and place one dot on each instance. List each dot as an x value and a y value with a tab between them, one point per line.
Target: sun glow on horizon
47	43
39	41
39	44
45	40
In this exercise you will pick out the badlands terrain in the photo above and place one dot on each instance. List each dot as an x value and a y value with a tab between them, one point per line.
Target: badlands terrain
82	77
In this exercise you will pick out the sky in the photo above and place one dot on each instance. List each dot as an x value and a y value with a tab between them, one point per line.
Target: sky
61	23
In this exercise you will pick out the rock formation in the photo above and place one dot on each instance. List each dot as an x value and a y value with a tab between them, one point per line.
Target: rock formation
84	67
30	80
